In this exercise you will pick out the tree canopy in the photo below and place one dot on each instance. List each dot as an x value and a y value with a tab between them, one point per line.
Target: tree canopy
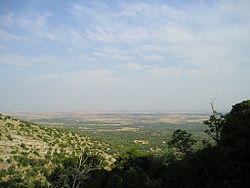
182	140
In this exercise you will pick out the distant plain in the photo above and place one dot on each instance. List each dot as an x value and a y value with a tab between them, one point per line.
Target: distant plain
147	132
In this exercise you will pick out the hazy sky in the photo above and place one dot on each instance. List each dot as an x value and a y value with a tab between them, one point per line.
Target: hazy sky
151	55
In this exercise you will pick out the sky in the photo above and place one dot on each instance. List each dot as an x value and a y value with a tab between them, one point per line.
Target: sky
124	55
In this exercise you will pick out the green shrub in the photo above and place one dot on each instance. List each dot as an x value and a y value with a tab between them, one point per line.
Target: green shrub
9	137
22	145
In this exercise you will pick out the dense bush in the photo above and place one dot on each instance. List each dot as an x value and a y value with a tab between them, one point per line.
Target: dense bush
73	171
224	165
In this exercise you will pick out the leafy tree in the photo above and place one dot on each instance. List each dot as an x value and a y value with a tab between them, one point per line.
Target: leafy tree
132	170
223	165
236	131
125	158
182	140
214	124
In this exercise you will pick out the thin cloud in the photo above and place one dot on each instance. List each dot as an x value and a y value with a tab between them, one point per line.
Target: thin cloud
168	72
152	57
19	60
132	66
86	76
110	52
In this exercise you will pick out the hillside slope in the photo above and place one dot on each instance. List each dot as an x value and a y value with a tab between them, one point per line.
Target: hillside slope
29	151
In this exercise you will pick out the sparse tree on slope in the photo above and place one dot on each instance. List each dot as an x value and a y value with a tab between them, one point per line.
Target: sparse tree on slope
215	124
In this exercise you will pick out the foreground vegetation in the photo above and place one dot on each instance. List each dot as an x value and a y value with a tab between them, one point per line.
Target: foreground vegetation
223	163
29	152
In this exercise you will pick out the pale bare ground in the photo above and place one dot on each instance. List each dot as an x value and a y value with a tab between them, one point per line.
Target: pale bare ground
175	119
110	118
51	123
141	141
117	130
